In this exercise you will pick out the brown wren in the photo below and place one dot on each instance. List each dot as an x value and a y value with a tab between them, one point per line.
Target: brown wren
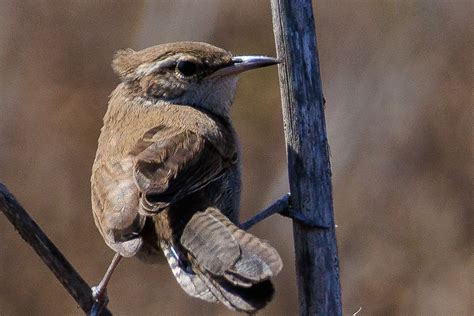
166	177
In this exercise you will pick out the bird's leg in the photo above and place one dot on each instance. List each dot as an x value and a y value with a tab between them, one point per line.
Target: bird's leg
99	292
182	262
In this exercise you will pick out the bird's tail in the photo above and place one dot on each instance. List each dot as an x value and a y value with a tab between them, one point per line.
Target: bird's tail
227	264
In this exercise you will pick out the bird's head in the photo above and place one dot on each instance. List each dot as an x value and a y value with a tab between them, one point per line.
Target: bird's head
185	73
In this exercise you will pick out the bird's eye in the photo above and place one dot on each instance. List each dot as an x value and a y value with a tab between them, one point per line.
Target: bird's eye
186	68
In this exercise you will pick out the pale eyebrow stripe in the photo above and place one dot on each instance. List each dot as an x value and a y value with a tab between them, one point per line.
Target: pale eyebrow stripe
150	68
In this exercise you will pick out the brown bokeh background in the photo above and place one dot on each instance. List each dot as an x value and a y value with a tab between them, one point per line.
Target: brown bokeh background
397	78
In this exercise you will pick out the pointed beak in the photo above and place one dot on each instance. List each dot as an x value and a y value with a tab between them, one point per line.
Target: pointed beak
243	63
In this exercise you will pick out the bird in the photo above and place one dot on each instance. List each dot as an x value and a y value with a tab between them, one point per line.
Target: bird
166	178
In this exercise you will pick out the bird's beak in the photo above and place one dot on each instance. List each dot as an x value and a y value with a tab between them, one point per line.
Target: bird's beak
243	63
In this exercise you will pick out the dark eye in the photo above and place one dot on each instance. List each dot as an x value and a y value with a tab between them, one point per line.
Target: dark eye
186	68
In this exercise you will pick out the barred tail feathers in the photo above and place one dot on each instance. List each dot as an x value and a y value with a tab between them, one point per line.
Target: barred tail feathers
235	265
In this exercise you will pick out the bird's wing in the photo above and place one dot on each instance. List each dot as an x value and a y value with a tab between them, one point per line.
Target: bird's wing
115	200
171	163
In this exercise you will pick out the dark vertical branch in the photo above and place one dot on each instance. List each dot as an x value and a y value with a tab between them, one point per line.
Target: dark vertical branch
308	158
51	256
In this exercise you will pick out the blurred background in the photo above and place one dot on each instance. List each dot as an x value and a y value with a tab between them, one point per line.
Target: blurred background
397	78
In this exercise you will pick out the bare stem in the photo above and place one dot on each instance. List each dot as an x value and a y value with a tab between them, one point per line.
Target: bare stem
47	251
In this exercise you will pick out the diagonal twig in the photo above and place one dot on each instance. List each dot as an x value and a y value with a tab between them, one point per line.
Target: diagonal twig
279	206
48	252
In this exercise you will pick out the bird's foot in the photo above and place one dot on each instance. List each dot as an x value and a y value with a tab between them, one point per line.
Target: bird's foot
99	295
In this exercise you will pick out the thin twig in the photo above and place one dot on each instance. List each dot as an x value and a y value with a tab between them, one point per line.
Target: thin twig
279	206
48	252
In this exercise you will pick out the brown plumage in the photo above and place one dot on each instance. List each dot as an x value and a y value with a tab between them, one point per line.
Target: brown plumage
167	173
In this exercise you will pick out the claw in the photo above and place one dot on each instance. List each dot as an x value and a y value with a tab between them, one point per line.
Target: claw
100	295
